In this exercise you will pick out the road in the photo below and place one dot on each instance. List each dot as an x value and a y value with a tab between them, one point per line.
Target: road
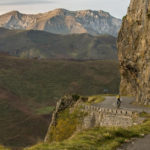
137	144
127	104
110	102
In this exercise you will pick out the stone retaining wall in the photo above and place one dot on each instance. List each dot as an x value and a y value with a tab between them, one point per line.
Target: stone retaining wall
98	116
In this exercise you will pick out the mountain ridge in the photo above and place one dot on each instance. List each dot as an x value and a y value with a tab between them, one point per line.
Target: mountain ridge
41	44
62	21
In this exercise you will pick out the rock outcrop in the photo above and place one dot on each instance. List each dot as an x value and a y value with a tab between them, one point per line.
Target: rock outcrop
61	21
73	114
64	103
134	51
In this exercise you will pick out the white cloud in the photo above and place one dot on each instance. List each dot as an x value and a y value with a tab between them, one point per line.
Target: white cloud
23	2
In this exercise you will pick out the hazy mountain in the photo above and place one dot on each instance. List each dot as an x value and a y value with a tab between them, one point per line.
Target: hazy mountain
61	21
40	44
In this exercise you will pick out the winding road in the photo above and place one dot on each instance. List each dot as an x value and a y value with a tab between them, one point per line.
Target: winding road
127	104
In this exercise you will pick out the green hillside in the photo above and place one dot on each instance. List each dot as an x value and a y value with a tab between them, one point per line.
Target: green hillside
19	126
45	80
102	138
40	44
29	88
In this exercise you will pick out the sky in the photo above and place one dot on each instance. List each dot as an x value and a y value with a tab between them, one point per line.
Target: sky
117	8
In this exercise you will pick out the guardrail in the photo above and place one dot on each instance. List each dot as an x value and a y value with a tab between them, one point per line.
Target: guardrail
112	111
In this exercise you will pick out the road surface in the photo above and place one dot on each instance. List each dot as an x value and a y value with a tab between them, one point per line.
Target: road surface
137	144
110	102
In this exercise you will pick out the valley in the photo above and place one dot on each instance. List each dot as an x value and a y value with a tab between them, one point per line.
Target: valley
75	80
30	88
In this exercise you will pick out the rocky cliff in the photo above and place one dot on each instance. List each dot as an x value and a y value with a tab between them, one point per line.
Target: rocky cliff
61	21
134	51
65	119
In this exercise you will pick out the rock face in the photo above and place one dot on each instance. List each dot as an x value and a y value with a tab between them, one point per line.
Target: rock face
64	103
134	51
61	21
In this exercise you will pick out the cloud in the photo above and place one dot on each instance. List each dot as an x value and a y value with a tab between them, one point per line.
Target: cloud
23	2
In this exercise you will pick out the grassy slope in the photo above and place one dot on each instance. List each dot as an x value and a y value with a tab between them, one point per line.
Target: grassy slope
46	45
29	89
44	81
19	126
102	138
3	148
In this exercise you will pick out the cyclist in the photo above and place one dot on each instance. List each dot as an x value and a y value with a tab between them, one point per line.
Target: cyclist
118	101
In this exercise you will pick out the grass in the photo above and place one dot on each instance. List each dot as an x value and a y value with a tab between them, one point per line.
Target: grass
144	114
46	45
19	128
45	110
3	148
95	99
45	81
98	98
67	123
97	139
29	88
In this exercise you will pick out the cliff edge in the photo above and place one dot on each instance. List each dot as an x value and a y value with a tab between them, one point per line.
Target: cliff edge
134	51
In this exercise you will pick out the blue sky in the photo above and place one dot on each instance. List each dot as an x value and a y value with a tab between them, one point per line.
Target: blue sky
117	8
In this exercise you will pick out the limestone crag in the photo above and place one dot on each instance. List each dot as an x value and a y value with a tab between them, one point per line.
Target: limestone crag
61	21
65	102
134	51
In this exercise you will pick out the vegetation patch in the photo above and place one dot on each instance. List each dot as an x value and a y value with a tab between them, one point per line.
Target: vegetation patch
45	110
28	86
45	81
67	123
95	99
144	114
46	45
3	148
98	138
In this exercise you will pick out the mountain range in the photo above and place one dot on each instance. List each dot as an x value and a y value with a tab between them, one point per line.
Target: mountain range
61	21
81	57
41	44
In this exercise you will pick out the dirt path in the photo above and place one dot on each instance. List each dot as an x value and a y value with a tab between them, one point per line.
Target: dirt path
137	144
110	102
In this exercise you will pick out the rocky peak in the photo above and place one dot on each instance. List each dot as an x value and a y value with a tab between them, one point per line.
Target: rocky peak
58	11
61	21
134	51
